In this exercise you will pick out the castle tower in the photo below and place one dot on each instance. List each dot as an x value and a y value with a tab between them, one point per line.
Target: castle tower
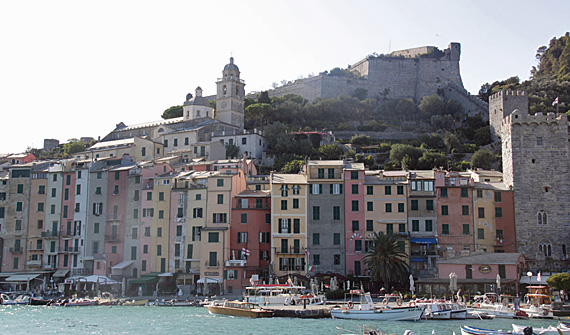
502	104
536	165
196	107
231	96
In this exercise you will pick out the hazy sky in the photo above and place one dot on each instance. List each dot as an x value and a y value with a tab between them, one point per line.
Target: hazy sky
77	68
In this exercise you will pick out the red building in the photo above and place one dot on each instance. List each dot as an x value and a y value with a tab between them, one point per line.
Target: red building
250	241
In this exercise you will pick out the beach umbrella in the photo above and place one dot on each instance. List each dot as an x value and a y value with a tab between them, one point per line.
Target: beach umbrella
412	287
498	282
538	278
452	281
124	286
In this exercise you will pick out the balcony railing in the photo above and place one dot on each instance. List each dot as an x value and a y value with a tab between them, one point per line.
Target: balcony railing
114	217
69	250
34	263
252	206
81	272
209	265
67	233
236	262
291	250
16	250
112	238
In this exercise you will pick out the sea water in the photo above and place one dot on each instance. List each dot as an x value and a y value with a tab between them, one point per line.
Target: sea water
33	320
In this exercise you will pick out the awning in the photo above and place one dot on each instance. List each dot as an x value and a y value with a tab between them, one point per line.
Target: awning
122	265
423	240
143	280
61	273
534	280
22	278
166	274
419	259
210	280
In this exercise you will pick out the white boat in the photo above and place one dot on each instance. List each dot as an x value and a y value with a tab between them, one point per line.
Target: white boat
550	330
434	310
458	311
20	300
281	294
365	310
541	312
468	330
498	311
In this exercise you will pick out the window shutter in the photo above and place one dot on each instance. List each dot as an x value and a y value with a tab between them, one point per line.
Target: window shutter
331	187
280	230
320	188
340	188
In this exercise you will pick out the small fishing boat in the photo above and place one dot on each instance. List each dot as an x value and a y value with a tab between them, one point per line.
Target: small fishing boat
468	330
365	310
239	308
550	330
20	300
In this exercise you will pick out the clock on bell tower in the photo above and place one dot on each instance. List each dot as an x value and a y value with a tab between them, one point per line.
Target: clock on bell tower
230	96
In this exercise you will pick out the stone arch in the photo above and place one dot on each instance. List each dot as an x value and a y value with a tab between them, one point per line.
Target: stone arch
542	217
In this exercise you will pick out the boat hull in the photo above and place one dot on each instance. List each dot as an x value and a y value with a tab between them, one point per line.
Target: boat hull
221	310
394	314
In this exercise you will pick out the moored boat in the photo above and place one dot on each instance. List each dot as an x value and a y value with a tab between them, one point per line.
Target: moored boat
365	310
80	303
239	308
550	330
39	302
20	300
468	330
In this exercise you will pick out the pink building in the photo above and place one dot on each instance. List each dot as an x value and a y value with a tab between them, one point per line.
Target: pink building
115	217
354	221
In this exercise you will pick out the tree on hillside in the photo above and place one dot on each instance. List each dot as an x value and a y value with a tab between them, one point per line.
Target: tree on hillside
330	152
264	98
292	167
258	115
386	260
172	112
73	146
405	155
559	281
431	159
554	60
406	109
483	159
232	151
431	105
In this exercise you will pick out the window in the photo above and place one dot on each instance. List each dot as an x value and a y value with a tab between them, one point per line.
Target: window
370	206
330	172
401	208
481	212
481	233
444	210
369	225
336	238
466	229
78	189
336	189
220	182
400	190
390	228
317	189
428	185
336	259
295	203
220	217
242	238
498	197
220	198
499	235
159	250
2	212
40	206
355	205
355	225
116	175
415	205
20	206
244	140
149	196
213	237
296	189
264	237
542	218
161	214
443	192
429	205
415	225
53	192
243	218
479	193
66	194
316	259
267	218
388	190
316	213
354	188
498	212
316	239
296	226
388	208
283	205
468	271
148	212
178	230
336	212
198	197
370	190
197	212
429	225
445	229
357	245
41	189
465	210
401	227
464	192
159	232
353	174
284	226
321	173
416	185
175	142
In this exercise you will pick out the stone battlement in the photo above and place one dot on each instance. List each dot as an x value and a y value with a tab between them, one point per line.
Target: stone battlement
502	94
518	117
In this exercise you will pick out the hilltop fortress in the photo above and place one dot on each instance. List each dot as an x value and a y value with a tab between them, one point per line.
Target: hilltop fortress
412	73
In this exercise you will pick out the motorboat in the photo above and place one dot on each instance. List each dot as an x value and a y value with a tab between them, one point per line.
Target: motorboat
281	294
366	310
468	330
39	302
538	312
498	311
134	302
550	330
434	310
239	308
80	302
19	300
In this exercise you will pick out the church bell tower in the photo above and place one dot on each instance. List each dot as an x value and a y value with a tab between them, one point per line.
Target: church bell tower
231	96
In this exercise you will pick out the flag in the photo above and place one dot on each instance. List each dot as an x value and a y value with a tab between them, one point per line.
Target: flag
538	277
251	281
245	251
289	281
555	101
307	252
310	268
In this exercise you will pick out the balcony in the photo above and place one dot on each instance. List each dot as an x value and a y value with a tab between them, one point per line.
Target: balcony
236	262
252	206
48	267
16	250
180	239
211	266
68	250
36	263
291	251
68	234
113	218
112	238
36	248
48	234
81	272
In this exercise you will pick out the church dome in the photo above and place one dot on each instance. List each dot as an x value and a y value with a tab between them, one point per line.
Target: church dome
231	66
197	100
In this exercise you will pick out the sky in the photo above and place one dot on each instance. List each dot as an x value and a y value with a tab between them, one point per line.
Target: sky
71	69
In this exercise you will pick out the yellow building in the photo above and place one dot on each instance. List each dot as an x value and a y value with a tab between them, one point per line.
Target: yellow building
288	223
160	229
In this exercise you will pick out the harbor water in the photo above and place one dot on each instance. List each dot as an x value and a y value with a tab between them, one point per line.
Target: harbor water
196	320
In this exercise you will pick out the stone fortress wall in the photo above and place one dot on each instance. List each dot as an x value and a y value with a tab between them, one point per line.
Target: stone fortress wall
402	74
535	153
502	104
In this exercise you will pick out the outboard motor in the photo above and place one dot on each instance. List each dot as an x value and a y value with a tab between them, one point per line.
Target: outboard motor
527	331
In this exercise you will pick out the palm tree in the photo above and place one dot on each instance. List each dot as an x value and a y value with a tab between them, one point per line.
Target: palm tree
387	263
